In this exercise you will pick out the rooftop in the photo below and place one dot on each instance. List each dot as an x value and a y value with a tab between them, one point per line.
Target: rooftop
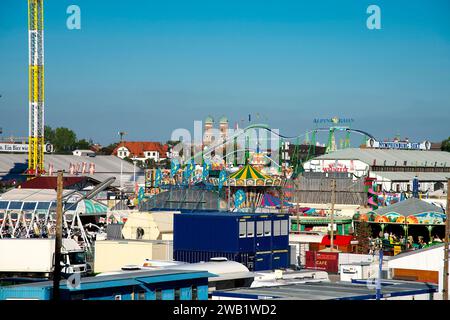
226	214
137	148
13	165
129	278
409	207
329	291
44	182
408	176
392	157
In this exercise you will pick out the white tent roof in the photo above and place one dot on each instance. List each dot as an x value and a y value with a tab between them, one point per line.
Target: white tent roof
31	195
412	157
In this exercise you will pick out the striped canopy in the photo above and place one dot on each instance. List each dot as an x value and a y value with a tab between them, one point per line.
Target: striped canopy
248	176
248	172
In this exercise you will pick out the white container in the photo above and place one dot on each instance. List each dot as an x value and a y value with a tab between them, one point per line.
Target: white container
19	256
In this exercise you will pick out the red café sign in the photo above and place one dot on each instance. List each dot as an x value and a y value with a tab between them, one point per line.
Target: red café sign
335	167
322	261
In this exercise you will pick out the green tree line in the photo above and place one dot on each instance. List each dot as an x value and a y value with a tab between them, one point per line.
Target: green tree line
446	145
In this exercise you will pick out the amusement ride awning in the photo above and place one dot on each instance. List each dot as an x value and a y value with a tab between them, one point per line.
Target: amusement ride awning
248	176
89	207
415	211
272	201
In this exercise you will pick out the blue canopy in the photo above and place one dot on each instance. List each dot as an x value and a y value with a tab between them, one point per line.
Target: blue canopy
272	201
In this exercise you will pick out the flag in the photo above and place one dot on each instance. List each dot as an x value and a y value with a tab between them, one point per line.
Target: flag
190	166
239	198
222	178
158	177
174	167
206	168
415	184
141	194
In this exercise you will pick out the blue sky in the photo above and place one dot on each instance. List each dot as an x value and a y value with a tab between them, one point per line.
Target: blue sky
148	67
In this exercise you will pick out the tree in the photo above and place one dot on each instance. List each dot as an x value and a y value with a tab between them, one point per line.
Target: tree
363	232
165	164
64	140
49	134
150	163
83	144
446	145
108	150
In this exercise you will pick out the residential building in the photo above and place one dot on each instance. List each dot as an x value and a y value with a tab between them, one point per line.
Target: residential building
142	150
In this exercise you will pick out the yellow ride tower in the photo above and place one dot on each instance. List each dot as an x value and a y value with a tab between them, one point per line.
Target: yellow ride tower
36	87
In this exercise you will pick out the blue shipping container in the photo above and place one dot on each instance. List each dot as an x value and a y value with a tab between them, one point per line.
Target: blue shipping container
242	237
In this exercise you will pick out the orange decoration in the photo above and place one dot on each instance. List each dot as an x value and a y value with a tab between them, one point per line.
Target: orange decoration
381	219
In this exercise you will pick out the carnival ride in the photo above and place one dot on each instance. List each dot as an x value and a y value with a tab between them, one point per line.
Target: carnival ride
37	219
240	172
297	165
36	87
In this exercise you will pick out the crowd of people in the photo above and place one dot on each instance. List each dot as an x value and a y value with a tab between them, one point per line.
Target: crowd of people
407	244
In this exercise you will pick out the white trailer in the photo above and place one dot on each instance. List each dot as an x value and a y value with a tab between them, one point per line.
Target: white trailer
35	257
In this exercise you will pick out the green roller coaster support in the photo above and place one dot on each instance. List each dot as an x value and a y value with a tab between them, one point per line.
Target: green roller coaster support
235	163
225	154
313	143
247	149
280	155
311	147
299	161
347	140
364	141
330	140
295	157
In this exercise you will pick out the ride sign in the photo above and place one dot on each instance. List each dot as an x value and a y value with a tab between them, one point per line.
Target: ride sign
372	143
335	167
21	148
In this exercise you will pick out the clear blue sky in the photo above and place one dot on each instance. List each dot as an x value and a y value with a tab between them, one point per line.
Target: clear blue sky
147	66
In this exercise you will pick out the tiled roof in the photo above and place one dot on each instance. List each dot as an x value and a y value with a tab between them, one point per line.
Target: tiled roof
137	148
51	182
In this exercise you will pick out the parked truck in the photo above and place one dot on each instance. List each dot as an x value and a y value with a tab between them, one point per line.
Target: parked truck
35	257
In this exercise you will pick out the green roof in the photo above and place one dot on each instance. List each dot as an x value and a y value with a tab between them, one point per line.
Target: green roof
93	207
409	207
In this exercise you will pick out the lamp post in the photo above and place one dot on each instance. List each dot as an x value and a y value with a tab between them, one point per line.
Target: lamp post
333	200
380	271
59	217
121	134
134	170
446	243
58	237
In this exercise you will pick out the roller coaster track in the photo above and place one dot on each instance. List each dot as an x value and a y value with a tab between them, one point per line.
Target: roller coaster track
267	128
